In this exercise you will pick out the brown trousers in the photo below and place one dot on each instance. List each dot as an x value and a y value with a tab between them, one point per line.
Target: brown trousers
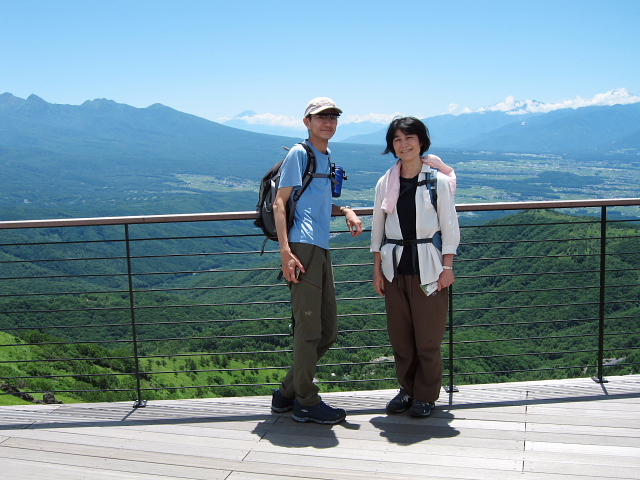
416	325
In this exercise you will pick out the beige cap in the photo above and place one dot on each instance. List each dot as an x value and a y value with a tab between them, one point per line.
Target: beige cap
320	104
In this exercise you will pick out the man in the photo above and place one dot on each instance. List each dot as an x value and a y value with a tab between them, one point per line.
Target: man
306	264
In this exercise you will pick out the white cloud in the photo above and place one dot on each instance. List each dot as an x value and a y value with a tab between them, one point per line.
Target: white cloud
619	96
292	122
268	119
509	105
383	118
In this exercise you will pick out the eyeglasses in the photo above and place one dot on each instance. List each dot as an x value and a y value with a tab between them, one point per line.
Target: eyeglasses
327	116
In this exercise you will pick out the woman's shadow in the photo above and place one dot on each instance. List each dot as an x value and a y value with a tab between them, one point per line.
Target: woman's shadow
405	430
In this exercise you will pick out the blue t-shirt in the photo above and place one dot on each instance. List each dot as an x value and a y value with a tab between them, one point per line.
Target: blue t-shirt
312	220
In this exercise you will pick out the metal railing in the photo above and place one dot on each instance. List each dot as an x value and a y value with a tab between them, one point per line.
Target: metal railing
176	306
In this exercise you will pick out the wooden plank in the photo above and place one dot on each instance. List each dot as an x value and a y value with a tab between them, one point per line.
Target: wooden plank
600	471
383	467
185	434
621	453
587	439
110	460
226	449
550	427
426	457
415	476
36	470
175	465
246	430
583	458
569	421
593	406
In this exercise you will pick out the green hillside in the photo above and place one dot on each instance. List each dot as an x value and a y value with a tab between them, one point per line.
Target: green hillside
542	323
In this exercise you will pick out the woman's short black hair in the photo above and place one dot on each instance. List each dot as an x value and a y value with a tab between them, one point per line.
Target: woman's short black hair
409	126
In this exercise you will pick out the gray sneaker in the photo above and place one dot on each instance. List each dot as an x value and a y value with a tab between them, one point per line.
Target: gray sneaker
400	402
320	413
421	409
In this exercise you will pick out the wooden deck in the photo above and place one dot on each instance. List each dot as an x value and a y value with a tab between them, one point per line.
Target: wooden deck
560	430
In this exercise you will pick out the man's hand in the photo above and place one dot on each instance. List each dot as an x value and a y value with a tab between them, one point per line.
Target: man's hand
436	162
291	265
353	222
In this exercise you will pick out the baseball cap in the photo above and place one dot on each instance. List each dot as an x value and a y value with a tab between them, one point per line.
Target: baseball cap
320	104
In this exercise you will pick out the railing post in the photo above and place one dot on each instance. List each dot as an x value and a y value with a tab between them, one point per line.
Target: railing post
139	403
451	388
603	284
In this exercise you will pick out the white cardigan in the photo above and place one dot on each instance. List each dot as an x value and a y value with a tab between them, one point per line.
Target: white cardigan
428	222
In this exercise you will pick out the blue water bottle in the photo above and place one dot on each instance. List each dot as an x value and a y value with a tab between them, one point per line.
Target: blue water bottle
336	186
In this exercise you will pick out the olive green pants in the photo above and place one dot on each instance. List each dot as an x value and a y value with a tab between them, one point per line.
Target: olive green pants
315	316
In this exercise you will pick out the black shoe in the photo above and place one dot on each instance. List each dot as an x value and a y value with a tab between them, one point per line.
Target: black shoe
421	409
320	413
400	402
280	403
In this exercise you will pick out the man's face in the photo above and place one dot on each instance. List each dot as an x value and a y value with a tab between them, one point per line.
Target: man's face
322	125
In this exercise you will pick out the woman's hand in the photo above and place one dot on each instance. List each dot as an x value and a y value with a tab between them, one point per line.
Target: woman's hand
447	278
378	276
378	281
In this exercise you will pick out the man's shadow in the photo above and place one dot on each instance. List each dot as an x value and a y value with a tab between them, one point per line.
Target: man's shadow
405	430
285	432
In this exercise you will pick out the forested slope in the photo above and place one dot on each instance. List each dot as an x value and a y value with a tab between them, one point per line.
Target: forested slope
525	307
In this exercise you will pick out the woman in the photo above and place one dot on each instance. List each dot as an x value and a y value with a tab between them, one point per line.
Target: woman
413	245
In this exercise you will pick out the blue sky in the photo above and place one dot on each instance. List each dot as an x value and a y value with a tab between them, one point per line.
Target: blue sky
216	59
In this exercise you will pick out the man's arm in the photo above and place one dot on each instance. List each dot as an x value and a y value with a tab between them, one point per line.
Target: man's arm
353	221
289	261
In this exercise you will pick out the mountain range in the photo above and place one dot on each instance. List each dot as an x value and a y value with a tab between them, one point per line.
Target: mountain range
103	158
104	153
593	129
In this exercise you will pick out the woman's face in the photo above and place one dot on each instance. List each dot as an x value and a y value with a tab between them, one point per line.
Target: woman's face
406	146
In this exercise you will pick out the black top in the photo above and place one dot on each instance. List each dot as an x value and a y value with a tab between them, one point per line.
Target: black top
406	206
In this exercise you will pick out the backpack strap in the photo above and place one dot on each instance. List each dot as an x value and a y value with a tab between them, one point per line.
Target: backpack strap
309	174
431	182
436	240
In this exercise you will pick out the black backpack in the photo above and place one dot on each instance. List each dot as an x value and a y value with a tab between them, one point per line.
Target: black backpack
269	188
